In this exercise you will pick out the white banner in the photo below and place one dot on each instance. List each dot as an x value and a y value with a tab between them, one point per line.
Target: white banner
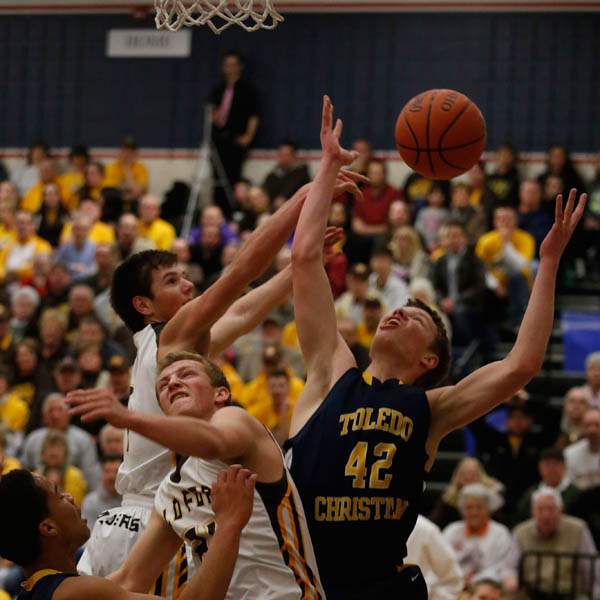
148	43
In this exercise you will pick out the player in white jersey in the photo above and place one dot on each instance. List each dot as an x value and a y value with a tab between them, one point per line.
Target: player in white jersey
152	296
276	559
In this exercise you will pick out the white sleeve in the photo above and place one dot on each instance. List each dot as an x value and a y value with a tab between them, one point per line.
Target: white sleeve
513	260
444	564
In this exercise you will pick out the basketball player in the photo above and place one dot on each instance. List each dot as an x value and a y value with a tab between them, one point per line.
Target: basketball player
276	559
152	296
43	529
361	444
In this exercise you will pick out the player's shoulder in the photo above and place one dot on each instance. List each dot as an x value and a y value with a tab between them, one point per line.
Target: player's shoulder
88	586
234	414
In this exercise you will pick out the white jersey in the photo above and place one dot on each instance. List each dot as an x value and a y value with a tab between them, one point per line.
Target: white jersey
145	463
276	559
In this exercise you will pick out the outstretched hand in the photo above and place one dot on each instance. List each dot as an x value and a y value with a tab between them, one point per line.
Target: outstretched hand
564	225
232	497
330	137
91	405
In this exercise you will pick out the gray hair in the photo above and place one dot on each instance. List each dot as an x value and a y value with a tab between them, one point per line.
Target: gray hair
592	358
545	491
478	490
50	398
105	432
26	292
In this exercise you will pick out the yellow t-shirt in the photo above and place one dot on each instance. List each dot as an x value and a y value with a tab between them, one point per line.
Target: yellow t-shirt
256	399
490	249
289	337
10	464
100	233
363	335
160	232
32	202
14	412
70	183
75	484
40	246
115	174
7	236
235	381
25	391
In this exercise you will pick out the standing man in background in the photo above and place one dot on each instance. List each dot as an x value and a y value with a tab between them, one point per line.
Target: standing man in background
235	121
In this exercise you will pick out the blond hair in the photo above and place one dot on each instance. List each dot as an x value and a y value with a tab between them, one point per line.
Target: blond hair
215	374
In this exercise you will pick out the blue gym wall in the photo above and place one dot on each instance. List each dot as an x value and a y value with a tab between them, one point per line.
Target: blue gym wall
535	76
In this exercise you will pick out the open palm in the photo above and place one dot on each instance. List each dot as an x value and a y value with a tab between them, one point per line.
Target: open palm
564	225
330	136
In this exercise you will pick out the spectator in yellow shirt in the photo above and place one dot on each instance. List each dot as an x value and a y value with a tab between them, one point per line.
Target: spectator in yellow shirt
127	173
508	253
152	227
55	466
14	412
94	182
256	392
372	313
7	463
99	233
74	179
16	259
32	201
8	231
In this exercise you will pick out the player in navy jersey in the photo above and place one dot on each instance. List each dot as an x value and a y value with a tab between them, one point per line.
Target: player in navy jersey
42	529
361	444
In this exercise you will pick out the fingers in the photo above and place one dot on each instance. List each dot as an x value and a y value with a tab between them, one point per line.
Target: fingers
579	210
327	115
339	127
558	214
569	207
251	482
356	177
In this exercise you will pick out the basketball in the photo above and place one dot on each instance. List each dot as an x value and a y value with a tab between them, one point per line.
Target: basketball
440	134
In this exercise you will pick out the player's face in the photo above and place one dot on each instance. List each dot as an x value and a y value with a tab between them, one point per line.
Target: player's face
184	388
408	332
170	291
64	513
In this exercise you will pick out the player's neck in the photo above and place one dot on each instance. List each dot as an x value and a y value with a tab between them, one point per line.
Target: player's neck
54	559
383	370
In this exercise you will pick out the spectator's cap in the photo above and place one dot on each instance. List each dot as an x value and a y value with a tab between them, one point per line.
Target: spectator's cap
129	142
4	314
360	271
552	454
274	317
478	490
68	363
118	364
373	301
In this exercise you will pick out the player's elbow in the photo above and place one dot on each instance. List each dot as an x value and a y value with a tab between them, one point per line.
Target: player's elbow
305	254
524	368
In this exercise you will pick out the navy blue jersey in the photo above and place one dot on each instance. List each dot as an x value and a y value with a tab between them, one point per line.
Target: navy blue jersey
45	586
359	465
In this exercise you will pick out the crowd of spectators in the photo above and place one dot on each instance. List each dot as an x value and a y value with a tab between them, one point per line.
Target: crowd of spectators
466	248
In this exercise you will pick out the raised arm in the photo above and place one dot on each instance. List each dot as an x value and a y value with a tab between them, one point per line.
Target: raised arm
481	391
228	435
325	353
188	329
250	310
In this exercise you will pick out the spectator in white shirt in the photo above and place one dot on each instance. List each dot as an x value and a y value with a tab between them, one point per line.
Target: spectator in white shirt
583	457
592	373
481	545
427	548
383	280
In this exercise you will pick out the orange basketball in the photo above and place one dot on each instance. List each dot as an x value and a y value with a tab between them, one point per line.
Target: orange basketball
440	134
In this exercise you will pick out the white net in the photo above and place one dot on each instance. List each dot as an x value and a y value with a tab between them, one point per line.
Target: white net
217	14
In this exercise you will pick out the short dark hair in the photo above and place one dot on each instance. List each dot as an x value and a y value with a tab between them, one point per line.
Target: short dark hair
79	150
133	277
24	505
234	54
440	347
456	223
552	454
291	143
278	372
111	458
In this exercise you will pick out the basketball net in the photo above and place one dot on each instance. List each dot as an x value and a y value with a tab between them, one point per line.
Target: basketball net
251	15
